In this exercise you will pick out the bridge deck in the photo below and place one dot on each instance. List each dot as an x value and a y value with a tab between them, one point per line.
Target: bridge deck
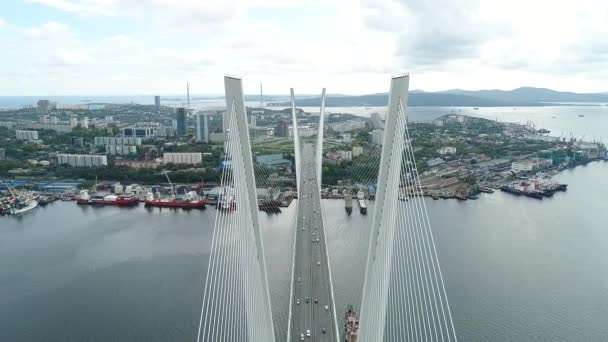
311	283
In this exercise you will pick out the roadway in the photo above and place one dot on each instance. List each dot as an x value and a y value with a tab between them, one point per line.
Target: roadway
312	307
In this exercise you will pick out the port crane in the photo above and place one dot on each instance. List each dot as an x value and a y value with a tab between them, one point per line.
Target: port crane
170	183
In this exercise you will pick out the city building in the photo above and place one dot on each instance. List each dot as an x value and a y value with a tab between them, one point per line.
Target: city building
119	141
44	104
252	121
377	136
138	164
54	120
139	132
82	160
338	157
121	149
2	154
202	127
434	162
376	121
181	121
26	135
73	121
183	158
157	103
77	142
7	124
282	129
447	150
346	126
84	123
533	164
274	161
357	151
42	126
307	131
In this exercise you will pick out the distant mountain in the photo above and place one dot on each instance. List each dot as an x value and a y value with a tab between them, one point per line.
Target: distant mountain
417	98
525	96
530	94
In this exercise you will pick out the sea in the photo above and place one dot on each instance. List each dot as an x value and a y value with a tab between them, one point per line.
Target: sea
515	268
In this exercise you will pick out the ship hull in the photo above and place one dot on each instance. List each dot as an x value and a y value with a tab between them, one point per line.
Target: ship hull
176	204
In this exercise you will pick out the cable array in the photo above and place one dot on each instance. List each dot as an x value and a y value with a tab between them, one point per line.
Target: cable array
236	302
404	296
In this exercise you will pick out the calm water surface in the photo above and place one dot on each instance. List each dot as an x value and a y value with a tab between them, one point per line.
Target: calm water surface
516	269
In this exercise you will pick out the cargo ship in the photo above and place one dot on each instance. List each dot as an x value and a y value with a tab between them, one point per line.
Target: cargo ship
190	201
125	200
23	206
362	207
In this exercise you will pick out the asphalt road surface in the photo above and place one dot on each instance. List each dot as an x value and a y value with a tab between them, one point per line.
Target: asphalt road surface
312	304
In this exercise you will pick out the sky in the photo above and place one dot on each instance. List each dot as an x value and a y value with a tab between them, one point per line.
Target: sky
114	47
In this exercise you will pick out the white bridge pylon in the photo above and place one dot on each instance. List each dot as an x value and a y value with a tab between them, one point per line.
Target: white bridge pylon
404	297
236	300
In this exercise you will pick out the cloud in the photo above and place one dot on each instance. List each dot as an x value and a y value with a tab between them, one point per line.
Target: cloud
48	31
3	23
63	57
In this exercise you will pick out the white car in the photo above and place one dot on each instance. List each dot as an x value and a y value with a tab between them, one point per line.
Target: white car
301	337
326	307
308	333
318	263
298	302
299	279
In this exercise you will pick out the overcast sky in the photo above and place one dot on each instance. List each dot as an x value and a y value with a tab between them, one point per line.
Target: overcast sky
98	47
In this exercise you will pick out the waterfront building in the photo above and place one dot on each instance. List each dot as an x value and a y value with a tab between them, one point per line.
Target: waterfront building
447	150
82	160
181	121
119	141
202	127
377	136
26	135
183	158
532	164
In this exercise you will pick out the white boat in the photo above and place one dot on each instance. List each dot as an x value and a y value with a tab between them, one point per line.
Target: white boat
29	206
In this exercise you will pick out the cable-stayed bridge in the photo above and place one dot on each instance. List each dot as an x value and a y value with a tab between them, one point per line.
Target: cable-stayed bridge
404	297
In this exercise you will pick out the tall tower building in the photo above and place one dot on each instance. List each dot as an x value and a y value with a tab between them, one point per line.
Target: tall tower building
181	121
188	98
202	127
261	96
157	103
282	129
